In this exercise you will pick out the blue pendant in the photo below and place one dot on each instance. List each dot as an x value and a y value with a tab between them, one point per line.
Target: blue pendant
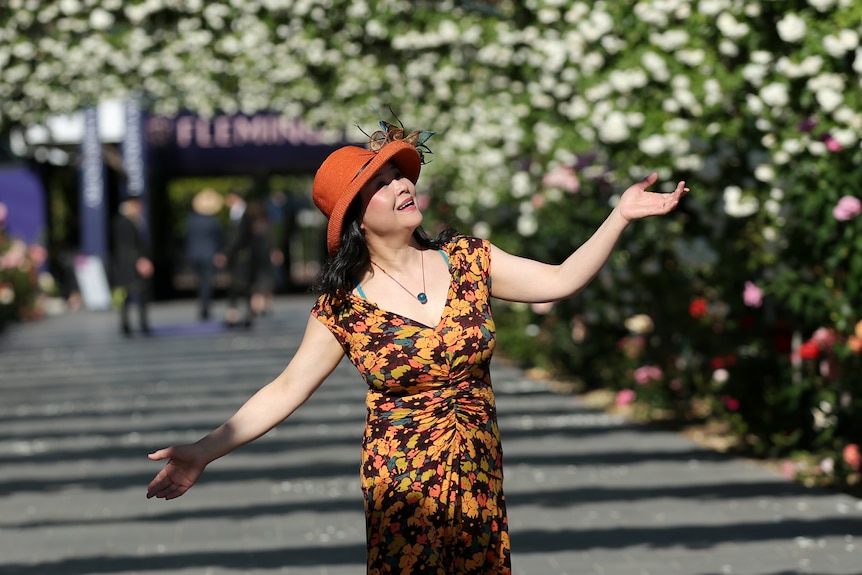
422	297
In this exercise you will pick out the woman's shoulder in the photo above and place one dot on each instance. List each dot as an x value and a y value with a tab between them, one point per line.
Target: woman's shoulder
466	245
469	251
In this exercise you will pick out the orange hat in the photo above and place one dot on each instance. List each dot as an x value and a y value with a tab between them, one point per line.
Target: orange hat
343	174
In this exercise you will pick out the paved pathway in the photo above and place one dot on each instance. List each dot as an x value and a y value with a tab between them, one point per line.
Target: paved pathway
588	493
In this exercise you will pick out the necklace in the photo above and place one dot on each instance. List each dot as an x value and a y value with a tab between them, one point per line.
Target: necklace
421	296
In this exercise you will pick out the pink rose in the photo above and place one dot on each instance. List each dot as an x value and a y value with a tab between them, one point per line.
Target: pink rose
38	254
832	144
852	457
563	177
625	397
824	337
847	207
422	201
751	295
788	469
647	373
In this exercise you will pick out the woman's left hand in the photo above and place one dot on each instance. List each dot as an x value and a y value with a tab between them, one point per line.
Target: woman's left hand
637	203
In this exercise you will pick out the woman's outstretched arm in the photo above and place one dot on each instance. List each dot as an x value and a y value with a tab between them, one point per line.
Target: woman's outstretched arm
318	355
521	279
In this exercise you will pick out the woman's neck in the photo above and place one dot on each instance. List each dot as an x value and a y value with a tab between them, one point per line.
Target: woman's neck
395	257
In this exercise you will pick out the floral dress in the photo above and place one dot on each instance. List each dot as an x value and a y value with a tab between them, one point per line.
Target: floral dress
431	460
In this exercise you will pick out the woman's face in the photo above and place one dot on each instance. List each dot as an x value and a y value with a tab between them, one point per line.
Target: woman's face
389	203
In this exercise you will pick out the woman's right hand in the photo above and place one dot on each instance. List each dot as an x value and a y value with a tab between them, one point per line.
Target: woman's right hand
181	472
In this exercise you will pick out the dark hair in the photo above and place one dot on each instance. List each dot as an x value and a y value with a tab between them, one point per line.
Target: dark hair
340	273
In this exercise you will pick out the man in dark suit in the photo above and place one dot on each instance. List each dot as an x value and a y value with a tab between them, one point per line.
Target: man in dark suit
132	263
237	257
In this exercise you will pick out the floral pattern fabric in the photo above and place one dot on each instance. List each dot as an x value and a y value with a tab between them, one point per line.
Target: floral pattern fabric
431	460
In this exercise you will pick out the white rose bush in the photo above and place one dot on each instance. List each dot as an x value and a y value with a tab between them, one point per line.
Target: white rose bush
743	307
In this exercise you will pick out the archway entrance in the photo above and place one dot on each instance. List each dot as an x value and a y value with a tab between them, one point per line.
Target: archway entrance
271	158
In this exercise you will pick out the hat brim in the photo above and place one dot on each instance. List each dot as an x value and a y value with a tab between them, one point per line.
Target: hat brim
402	154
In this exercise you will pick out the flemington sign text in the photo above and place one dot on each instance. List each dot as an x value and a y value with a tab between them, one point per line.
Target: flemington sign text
233	131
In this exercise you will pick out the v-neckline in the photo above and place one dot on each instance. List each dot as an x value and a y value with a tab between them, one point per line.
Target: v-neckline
450	293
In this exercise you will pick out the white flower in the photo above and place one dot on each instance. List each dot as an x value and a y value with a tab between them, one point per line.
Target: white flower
775	95
521	185
693	58
848	116
845	137
754	73
625	81
811	65
101	19
822	420
527	225
614	129
829	99
639	324
761	57
712	7
70	7
728	48
548	15
817	148
792	147
772	207
791	28
7	296
655	65
738	205
833	46
652	145
592	63
755	104
482	230
764	173
730	27
822	5
720	375
712	91
669	40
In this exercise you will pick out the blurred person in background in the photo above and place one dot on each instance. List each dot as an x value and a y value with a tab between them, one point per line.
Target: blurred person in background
132	264
204	240
266	259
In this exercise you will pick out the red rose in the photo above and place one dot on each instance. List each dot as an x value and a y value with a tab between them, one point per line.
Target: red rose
809	350
698	308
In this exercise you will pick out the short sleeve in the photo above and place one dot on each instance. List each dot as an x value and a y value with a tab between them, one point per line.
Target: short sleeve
326	315
472	255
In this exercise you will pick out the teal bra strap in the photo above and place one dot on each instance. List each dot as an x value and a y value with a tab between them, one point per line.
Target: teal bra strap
445	256
361	293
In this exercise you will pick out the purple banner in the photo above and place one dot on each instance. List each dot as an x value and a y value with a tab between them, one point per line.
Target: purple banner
94	241
22	194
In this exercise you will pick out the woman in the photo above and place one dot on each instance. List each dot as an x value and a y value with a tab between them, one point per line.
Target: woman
413	315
